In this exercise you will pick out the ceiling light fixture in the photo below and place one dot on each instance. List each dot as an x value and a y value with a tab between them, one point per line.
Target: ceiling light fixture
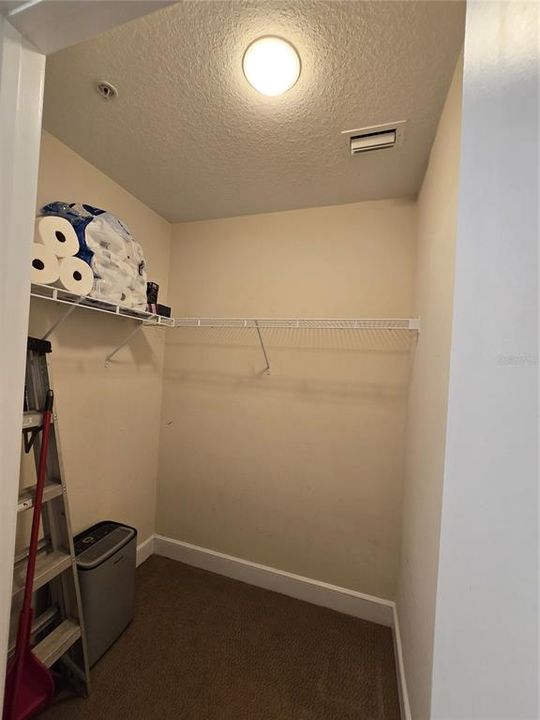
271	65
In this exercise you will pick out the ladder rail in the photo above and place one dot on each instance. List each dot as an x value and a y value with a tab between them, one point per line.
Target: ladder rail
62	590
62	581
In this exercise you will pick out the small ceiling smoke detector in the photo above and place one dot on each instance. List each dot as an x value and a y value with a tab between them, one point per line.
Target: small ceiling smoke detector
376	137
106	90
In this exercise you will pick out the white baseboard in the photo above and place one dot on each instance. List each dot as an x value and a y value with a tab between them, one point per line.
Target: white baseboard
341	599
400	669
145	549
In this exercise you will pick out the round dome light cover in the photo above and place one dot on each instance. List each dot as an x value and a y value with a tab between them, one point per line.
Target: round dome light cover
271	65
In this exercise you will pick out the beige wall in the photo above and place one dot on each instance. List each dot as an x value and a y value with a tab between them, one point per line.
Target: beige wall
428	397
109	418
300	470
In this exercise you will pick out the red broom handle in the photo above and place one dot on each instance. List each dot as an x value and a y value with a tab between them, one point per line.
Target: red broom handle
25	618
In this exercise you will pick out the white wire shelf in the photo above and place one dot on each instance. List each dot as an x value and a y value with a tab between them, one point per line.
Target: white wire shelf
406	324
57	295
72	302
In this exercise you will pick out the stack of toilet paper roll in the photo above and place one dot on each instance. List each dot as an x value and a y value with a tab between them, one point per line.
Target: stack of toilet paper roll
53	261
117	261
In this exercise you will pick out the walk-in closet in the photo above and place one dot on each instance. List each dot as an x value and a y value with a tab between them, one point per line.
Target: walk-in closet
249	423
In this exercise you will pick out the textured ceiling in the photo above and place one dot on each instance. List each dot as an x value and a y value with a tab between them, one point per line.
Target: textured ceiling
190	138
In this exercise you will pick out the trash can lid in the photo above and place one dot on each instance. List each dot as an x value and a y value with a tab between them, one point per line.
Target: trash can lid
95	545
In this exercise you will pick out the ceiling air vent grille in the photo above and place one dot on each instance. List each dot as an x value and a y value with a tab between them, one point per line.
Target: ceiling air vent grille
372	141
378	137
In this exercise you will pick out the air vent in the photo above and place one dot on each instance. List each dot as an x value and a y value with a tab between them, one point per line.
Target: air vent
373	141
378	137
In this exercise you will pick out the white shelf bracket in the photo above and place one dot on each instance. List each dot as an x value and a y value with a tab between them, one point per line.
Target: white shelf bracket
267	361
124	342
61	319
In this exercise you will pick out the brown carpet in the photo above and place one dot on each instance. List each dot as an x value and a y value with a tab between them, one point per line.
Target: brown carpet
204	647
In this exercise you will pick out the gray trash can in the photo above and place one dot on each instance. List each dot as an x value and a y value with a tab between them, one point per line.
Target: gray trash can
106	558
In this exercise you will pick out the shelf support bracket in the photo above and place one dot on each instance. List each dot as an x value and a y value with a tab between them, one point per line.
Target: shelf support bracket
124	342
62	317
267	361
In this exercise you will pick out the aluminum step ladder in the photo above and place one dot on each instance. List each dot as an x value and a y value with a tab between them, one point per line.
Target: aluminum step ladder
58	627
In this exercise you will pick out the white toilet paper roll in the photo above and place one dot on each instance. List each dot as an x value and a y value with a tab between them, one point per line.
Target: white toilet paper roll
57	234
76	276
45	266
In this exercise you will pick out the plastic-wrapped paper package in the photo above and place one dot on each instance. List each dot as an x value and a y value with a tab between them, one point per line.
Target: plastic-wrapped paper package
105	290
138	286
137	300
127	298
116	271
106	244
118	258
107	233
137	295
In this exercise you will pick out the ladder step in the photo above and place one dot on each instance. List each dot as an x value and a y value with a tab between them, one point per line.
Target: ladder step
32	419
26	497
52	647
39	624
48	566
